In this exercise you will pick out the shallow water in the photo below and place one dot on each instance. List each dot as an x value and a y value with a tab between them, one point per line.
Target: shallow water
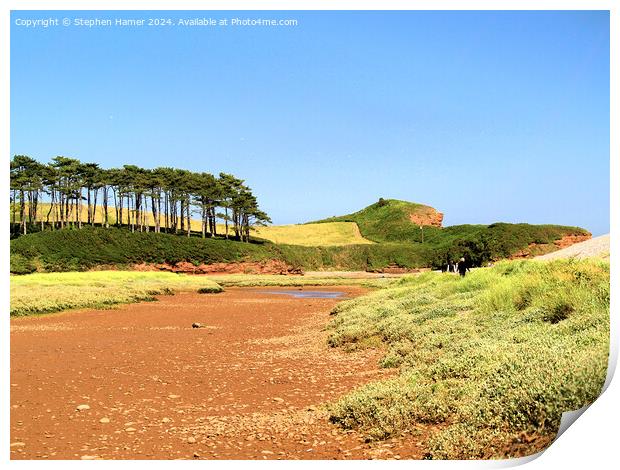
306	294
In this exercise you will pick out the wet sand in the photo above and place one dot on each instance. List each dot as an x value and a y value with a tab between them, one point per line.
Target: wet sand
249	385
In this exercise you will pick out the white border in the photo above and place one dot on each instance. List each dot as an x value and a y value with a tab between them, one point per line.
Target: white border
591	443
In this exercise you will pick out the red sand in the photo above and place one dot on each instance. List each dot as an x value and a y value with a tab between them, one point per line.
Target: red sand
247	386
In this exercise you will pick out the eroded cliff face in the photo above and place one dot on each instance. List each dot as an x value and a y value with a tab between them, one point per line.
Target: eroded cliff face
426	216
244	267
568	240
538	249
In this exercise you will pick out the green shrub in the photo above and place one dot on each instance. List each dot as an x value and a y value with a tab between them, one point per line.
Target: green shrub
22	265
496	355
210	290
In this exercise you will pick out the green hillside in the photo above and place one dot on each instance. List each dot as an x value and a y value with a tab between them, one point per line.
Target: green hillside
400	230
90	247
496	241
388	220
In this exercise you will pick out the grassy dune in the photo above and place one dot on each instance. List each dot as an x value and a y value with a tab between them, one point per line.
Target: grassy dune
53	292
493	359
325	234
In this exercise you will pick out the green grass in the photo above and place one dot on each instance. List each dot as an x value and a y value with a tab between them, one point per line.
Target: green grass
88	248
54	292
487	359
77	250
386	221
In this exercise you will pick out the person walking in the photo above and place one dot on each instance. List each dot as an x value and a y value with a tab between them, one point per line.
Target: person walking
462	267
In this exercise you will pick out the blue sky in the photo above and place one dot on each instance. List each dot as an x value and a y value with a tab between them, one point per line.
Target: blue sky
486	116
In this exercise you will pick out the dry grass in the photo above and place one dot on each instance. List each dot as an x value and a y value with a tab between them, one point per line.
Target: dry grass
327	234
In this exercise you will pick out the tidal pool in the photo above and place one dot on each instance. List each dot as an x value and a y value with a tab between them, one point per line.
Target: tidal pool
306	294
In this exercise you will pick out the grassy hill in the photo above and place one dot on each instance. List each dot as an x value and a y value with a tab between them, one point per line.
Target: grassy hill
411	224
391	220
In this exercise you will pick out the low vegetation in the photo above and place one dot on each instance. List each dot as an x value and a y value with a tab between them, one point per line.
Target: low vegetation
490	361
54	292
79	250
386	221
92	247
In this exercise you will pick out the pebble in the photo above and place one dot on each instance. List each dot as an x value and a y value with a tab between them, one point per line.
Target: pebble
174	396
18	444
104	420
82	407
191	440
166	420
89	457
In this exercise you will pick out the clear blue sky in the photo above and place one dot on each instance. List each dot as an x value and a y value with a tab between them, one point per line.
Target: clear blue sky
487	116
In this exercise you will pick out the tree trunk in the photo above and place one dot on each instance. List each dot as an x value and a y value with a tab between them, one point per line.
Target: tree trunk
79	209
88	215
159	212
14	205
119	221
189	217
22	211
226	220
47	219
94	214
166	209
214	221
105	206
132	220
155	214
204	222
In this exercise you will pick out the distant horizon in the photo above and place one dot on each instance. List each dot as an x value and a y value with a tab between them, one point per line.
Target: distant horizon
485	116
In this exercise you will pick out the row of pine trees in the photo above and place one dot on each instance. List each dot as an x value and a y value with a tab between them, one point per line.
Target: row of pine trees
69	193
